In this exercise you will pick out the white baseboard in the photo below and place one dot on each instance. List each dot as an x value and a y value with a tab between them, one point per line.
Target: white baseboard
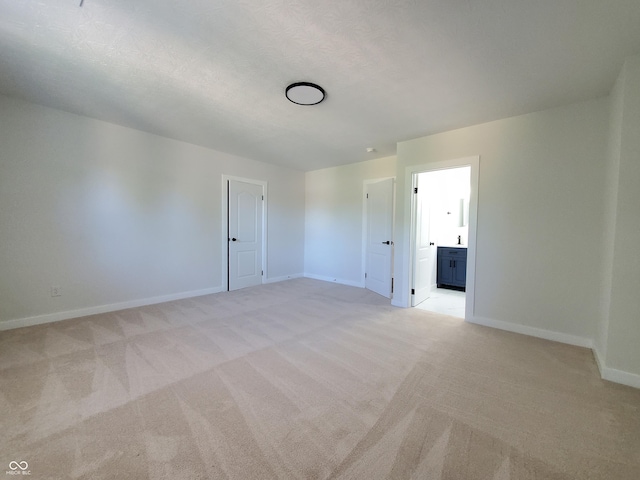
607	373
614	375
335	280
283	278
533	332
599	360
82	312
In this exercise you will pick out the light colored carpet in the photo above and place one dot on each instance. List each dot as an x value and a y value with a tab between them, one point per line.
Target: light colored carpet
310	380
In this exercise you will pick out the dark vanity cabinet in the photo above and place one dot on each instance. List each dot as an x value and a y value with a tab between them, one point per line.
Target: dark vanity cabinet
452	267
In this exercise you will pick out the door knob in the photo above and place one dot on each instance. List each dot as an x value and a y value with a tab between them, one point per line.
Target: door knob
234	239
387	242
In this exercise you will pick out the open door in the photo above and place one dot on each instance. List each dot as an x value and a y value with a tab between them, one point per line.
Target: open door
424	246
379	198
245	218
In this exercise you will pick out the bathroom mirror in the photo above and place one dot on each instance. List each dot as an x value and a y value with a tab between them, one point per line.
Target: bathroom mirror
464	212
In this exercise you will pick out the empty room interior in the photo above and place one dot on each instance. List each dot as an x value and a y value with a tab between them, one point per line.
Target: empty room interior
320	240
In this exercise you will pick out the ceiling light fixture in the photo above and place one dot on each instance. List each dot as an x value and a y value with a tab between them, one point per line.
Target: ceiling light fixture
305	93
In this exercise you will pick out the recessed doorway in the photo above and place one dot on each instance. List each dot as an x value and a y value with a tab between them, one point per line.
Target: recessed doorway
444	217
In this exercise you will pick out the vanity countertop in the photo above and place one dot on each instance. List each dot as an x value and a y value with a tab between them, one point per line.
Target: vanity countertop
453	246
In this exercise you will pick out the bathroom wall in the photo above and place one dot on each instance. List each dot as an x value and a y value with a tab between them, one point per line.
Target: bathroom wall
449	198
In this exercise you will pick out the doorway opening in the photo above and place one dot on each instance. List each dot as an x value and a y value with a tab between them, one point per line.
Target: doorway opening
443	211
244	228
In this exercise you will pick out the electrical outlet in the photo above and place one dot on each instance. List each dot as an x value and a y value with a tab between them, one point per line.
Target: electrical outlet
56	291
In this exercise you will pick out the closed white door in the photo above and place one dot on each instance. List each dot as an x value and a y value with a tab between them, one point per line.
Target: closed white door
379	237
245	234
424	247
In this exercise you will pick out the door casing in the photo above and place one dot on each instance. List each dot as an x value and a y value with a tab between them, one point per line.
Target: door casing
411	173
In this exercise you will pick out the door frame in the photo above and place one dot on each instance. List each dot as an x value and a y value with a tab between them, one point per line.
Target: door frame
365	223
225	227
411	176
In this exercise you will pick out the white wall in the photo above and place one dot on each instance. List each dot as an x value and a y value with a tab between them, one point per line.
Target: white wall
115	215
540	214
444	190
333	221
619	333
611	203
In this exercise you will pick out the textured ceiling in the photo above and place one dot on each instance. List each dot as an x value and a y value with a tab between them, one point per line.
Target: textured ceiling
213	72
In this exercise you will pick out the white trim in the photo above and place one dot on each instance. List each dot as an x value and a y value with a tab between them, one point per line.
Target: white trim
533	332
283	278
410	172
225	233
620	376
606	373
335	280
614	375
599	360
82	312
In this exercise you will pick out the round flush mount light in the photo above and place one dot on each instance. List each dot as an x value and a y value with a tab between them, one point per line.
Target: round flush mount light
305	93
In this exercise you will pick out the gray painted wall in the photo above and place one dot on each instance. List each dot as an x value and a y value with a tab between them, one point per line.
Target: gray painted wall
618	341
113	215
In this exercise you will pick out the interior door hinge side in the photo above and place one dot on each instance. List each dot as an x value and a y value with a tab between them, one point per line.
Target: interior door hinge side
391	284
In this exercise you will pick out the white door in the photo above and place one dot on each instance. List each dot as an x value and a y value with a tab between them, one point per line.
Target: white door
379	237
423	268
245	234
